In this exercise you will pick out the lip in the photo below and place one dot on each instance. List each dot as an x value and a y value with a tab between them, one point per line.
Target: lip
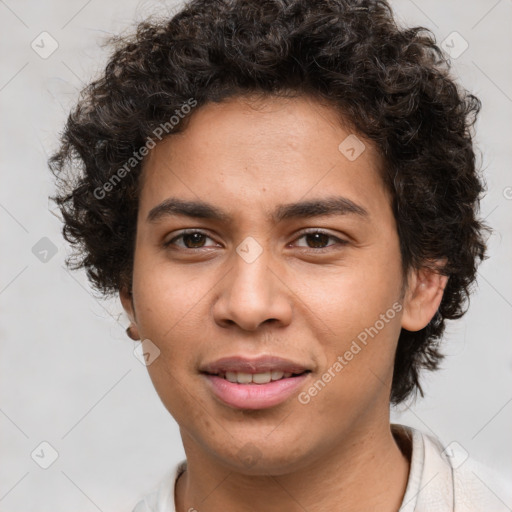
254	396
259	364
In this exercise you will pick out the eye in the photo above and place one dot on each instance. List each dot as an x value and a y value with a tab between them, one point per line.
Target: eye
319	239
191	239
316	240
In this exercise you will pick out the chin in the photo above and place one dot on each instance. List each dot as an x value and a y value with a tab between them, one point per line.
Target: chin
264	458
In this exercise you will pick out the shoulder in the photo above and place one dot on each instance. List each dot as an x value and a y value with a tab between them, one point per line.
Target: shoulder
475	485
161	497
446	478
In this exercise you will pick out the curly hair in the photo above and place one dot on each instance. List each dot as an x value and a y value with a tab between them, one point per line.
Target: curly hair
392	84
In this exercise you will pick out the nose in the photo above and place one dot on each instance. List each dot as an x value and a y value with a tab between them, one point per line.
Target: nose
253	293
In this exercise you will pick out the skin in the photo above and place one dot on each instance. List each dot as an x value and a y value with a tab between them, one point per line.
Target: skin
202	301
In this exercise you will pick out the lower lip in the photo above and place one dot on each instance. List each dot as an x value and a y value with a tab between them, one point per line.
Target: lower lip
255	396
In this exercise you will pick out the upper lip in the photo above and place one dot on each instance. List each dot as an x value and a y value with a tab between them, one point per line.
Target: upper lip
253	365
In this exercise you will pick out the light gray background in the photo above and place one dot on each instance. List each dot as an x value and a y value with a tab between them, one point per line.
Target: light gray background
68	373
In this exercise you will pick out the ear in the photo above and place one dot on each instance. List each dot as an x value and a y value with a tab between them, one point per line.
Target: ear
127	301
425	290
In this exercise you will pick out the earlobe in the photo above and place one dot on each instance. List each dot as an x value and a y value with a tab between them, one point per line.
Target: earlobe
127	303
132	332
423	297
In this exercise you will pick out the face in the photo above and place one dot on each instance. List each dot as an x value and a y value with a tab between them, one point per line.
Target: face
317	285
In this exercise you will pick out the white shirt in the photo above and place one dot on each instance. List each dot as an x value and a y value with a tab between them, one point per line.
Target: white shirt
440	480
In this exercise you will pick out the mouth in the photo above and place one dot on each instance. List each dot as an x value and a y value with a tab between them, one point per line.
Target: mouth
256	378
244	383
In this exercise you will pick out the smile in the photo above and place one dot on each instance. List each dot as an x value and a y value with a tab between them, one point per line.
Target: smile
251	394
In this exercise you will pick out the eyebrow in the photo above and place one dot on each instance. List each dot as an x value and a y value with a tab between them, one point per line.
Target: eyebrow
336	205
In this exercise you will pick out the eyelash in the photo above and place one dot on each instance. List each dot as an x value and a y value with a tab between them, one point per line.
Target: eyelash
301	235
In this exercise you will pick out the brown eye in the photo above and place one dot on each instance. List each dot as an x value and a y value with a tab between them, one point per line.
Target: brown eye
190	240
319	240
193	240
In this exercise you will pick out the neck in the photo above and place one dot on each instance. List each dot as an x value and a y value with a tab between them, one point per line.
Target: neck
367	471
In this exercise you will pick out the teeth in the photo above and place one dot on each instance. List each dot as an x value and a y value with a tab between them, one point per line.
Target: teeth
231	376
243	378
276	375
262	378
256	378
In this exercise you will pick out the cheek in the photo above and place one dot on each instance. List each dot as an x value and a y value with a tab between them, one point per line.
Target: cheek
348	298
359	308
171	313
166	296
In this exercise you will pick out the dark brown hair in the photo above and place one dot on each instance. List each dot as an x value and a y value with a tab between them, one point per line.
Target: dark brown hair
391	84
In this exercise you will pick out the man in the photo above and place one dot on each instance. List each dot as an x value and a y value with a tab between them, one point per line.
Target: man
284	195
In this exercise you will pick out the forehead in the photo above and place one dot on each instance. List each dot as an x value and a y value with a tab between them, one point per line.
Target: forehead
251	153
